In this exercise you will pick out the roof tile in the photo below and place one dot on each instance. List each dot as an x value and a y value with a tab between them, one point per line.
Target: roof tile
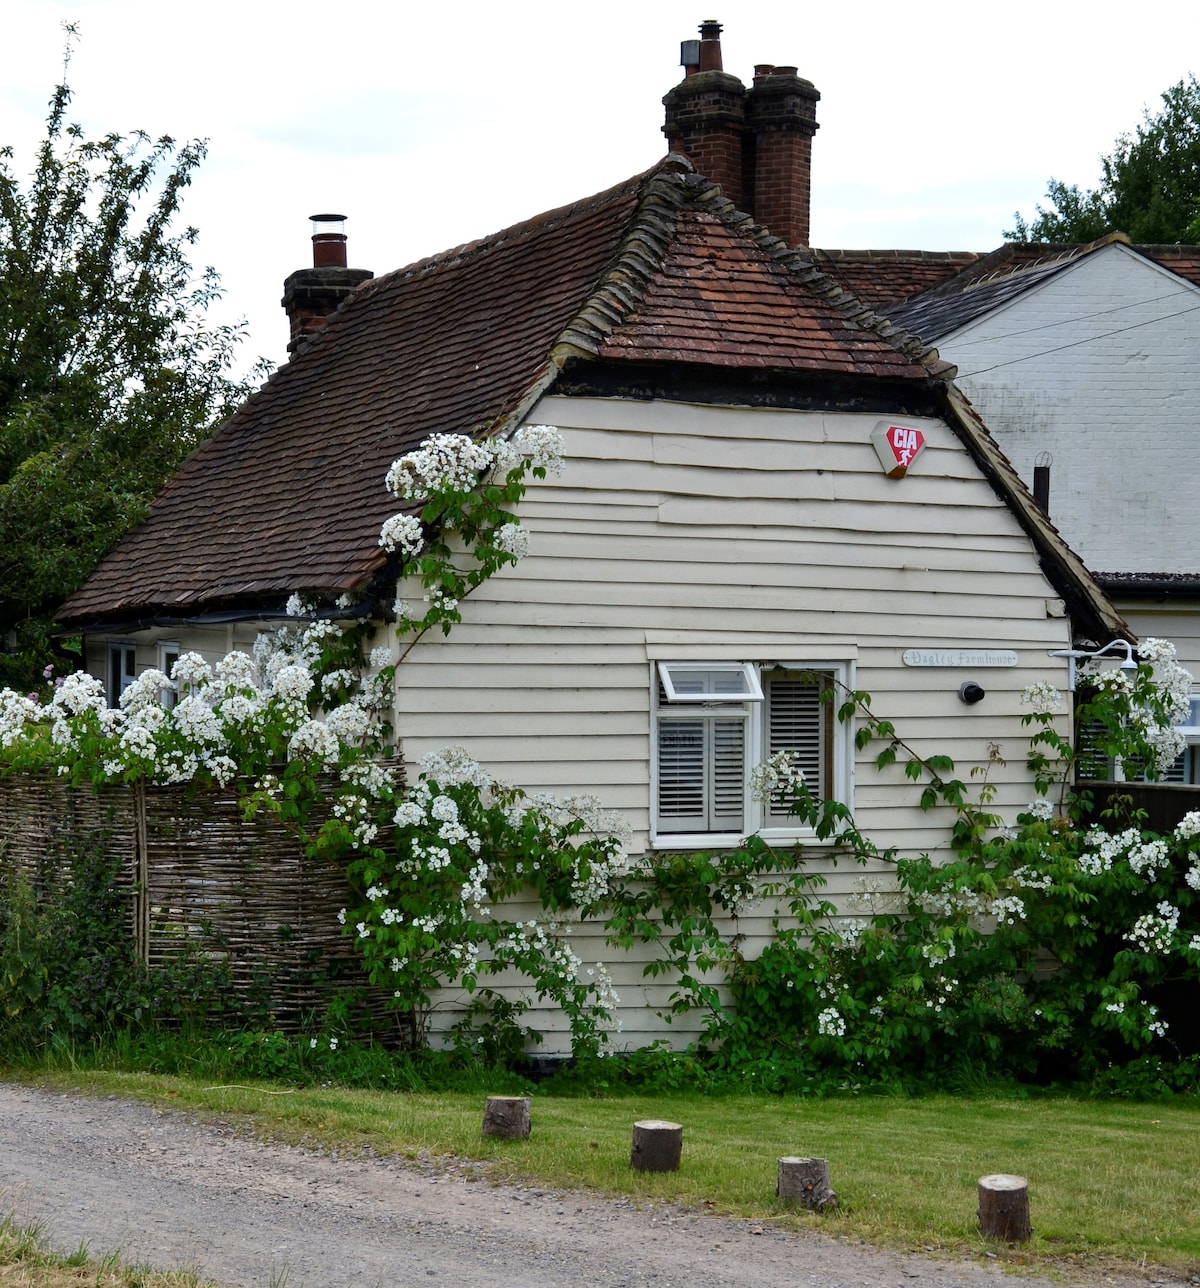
288	494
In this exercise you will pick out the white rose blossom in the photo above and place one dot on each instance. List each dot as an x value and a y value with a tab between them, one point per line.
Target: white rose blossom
778	775
236	671
315	741
190	671
402	532
513	540
1042	696
293	683
543	444
442	462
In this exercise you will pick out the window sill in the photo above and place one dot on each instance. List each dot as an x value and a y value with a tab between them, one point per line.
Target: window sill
729	841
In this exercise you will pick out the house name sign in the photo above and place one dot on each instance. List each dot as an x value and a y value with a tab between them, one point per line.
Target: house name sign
959	657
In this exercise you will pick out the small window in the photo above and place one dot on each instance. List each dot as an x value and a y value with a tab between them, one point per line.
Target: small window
168	655
1187	768
702	682
122	669
713	723
1092	763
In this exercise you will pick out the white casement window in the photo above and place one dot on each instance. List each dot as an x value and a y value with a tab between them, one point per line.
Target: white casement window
122	669
1092	763
168	655
1187	768
713	722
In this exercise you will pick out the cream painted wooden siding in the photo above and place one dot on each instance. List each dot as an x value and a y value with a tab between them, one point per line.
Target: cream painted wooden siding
1177	620
681	532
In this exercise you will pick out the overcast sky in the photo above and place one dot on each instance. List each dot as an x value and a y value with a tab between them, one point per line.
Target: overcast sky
432	124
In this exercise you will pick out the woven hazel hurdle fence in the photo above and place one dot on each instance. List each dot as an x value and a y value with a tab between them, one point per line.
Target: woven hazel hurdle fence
203	883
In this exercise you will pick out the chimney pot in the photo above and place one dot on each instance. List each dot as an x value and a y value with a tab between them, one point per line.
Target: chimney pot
689	56
329	241
710	46
312	294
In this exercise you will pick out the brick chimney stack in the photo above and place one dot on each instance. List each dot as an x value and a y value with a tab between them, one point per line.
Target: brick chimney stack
706	114
310	295
781	119
756	143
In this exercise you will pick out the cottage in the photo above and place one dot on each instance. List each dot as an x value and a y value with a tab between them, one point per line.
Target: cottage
769	490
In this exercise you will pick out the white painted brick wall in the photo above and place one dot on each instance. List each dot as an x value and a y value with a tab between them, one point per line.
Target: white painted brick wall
1100	366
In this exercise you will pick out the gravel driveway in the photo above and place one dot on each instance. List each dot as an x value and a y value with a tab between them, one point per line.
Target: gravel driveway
168	1191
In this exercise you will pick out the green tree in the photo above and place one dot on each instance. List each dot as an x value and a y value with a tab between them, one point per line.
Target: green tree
1149	186
110	373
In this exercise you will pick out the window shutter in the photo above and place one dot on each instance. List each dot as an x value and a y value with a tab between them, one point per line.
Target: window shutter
729	775
701	774
1178	773
798	721
1090	760
681	775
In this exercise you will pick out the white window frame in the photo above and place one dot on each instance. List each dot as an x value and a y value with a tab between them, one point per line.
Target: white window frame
1190	728
168	655
1189	775
752	708
116	678
674	676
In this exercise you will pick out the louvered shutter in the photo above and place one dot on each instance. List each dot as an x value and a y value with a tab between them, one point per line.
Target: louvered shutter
681	775
799	721
1090	760
728	775
1178	773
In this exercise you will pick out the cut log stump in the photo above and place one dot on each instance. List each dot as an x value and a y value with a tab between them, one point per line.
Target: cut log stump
806	1181
507	1117
657	1146
1004	1208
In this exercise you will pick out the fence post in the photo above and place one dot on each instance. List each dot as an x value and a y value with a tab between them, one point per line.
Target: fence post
141	874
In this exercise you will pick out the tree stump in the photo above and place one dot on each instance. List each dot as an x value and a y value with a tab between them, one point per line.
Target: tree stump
1004	1208
806	1181
507	1117
657	1146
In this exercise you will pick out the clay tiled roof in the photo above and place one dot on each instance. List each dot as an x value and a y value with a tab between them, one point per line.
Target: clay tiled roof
721	298
288	494
880	277
1184	260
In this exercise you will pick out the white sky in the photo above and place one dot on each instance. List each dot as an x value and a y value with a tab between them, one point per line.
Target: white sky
431	124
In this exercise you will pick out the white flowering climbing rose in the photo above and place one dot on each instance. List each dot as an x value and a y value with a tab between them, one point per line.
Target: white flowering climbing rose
463	484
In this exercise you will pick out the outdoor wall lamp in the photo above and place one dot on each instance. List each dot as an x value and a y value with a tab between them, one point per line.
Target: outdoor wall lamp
1074	654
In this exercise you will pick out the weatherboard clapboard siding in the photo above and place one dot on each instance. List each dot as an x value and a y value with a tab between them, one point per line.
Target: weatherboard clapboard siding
548	678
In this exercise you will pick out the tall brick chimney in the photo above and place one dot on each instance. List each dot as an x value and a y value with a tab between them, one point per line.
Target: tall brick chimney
310	295
706	114
756	143
781	119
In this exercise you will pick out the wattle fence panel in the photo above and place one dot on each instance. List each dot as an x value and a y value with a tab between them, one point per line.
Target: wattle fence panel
203	884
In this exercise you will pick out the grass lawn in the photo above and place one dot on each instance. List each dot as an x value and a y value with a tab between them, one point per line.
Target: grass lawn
25	1263
1108	1181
